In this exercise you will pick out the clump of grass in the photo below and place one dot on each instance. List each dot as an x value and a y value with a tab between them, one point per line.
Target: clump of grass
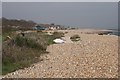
58	34
50	39
23	41
75	38
55	35
21	51
15	57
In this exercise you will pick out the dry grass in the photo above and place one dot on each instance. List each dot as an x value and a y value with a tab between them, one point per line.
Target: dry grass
21	51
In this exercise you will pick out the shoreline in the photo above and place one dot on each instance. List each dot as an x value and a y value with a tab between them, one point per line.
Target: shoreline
94	31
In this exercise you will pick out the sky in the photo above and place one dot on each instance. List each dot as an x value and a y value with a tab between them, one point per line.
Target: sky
75	14
59	0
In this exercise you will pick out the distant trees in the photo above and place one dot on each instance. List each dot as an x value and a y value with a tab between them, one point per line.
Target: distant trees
10	24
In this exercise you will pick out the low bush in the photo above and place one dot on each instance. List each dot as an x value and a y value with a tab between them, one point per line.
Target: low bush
23	41
19	53
22	51
75	38
58	34
55	35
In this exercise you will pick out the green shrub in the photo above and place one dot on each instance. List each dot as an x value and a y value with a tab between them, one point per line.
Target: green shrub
15	57
21	51
50	39
58	34
23	41
75	38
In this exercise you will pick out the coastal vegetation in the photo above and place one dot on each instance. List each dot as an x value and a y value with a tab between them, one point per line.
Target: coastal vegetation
22	51
75	38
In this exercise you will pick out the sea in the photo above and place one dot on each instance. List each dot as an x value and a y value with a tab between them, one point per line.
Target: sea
114	32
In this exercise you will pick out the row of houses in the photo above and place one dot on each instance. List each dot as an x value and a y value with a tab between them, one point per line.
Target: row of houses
47	27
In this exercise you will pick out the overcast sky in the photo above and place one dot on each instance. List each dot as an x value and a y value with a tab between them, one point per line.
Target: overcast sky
87	15
60	0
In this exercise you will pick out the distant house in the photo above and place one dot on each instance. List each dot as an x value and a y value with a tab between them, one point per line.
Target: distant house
54	27
39	28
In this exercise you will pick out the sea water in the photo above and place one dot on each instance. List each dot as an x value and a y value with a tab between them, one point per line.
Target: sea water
116	33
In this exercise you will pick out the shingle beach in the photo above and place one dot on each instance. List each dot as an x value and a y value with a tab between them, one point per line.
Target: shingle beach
94	56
